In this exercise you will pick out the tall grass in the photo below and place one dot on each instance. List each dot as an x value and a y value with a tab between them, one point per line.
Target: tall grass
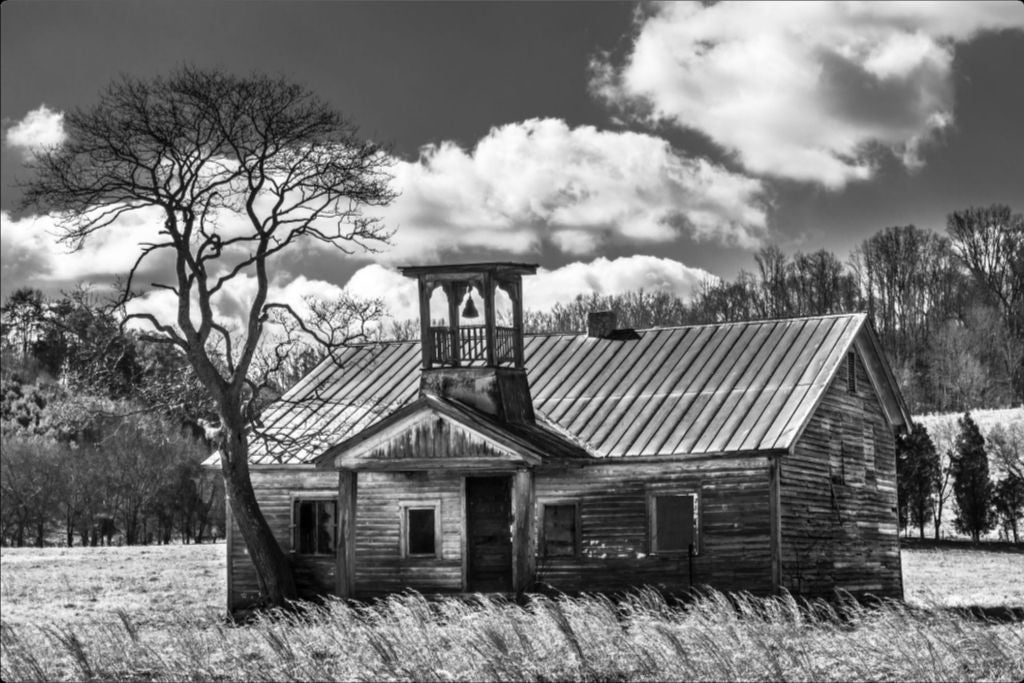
642	637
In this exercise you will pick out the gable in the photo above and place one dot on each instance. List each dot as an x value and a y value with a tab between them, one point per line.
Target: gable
432	441
432	433
703	389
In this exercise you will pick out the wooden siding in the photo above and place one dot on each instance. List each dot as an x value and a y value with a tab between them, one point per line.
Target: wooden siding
379	565
733	539
838	497
275	490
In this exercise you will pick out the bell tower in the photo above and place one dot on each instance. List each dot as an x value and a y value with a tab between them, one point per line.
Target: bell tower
472	356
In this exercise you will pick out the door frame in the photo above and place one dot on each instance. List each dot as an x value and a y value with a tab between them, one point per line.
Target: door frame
501	474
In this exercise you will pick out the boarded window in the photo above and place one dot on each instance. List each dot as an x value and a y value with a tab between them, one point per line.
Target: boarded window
851	372
420	531
560	533
837	464
674	523
315	526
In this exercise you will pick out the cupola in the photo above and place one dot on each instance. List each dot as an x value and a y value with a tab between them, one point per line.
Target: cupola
473	352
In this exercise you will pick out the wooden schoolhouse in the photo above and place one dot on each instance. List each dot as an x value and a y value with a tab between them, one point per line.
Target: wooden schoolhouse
753	456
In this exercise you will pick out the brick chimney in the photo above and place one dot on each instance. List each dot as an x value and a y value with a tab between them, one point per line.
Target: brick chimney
601	324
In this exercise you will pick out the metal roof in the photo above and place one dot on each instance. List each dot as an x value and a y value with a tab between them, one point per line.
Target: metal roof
701	389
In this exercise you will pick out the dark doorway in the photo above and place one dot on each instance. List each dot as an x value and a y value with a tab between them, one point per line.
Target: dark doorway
488	535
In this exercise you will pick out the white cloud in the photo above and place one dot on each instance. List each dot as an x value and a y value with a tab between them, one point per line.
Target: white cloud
548	287
232	303
579	189
802	90
31	255
40	128
612	276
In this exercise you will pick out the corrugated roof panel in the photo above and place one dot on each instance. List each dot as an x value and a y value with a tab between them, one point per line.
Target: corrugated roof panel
645	417
576	357
820	374
696	389
744	387
811	334
316	392
776	368
816	353
574	385
724	386
607	386
693	399
633	387
720	385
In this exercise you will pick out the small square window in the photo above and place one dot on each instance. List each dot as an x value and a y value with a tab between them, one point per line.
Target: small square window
560	537
420	530
315	526
673	523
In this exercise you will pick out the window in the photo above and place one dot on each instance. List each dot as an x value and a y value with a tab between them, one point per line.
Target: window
420	529
851	372
673	522
560	532
314	526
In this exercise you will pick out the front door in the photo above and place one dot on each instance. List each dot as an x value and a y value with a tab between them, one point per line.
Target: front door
488	531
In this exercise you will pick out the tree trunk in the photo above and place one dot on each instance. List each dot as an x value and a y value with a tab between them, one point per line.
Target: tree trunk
274	574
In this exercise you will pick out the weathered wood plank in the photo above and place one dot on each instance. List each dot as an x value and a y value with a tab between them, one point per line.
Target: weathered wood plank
841	535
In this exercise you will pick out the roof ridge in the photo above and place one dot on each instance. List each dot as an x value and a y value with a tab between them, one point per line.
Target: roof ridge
757	321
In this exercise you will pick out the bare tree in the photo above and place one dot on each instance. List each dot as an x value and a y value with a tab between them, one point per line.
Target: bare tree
239	170
990	242
773	289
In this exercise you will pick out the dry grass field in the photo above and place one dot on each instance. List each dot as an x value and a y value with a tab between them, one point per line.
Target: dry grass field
155	614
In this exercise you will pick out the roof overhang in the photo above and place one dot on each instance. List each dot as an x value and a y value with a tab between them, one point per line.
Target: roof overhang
882	380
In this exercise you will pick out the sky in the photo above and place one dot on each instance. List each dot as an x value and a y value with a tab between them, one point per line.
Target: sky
616	145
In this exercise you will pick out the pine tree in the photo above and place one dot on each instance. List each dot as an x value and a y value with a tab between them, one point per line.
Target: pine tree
918	472
972	486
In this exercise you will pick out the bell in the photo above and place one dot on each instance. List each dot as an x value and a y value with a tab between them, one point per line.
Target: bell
469	310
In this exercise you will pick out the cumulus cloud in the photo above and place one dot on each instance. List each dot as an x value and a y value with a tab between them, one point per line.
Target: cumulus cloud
578	189
231	305
30	254
549	286
802	90
40	128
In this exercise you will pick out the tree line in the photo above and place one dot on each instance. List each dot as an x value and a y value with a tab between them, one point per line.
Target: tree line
101	433
948	309
104	432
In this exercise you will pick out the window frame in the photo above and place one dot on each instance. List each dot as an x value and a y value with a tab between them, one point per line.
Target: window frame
318	498
542	536
652	522
403	528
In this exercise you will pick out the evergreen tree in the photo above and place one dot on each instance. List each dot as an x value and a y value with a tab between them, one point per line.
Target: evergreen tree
918	472
971	483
